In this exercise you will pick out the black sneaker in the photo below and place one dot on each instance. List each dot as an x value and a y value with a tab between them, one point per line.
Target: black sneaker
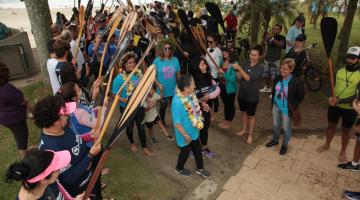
153	140
203	173
283	150
183	172
352	195
271	143
349	165
169	138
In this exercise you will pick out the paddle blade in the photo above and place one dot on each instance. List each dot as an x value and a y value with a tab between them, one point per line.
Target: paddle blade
184	20
328	32
134	103
214	11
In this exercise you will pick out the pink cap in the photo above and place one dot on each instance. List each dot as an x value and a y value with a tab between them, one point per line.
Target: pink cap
69	108
60	160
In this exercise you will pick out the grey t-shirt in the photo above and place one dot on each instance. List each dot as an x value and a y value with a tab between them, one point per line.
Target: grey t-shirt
249	90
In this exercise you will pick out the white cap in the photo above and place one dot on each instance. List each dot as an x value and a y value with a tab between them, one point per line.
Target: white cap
354	51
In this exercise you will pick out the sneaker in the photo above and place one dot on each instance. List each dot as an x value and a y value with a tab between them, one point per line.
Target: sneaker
349	165
352	195
271	143
169	138
265	89
208	153
203	173
283	150
153	140
183	172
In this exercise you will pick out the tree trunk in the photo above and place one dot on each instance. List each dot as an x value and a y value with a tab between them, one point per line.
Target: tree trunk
40	20
254	23
346	31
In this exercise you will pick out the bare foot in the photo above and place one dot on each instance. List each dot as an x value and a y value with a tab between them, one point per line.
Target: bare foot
221	124
240	133
105	171
225	125
249	139
342	158
133	147
147	152
322	148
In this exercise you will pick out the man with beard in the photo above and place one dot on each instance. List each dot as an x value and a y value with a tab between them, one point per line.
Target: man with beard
347	80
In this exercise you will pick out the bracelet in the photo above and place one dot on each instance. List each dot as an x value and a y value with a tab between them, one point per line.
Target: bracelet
90	155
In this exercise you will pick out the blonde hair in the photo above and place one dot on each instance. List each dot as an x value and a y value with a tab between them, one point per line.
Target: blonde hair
289	62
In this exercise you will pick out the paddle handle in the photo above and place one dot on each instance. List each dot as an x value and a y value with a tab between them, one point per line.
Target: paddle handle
331	74
108	117
96	173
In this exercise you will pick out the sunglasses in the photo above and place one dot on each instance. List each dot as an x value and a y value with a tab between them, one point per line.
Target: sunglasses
300	40
351	57
167	49
210	41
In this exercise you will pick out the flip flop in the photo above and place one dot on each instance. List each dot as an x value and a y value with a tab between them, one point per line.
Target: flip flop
103	186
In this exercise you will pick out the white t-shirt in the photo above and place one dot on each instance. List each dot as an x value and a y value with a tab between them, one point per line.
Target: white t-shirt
51	65
151	114
216	54
80	58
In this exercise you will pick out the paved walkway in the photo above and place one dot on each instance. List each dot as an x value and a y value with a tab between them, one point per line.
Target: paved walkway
301	174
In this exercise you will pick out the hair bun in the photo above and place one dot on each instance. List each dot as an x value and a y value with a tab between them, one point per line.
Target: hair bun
18	171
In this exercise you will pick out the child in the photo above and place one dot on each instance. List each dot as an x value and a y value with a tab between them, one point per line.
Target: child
152	115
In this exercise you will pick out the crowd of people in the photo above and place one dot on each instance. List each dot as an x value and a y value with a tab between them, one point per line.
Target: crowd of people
187	81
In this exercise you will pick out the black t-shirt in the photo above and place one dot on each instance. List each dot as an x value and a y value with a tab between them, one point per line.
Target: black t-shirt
299	57
273	51
249	90
51	192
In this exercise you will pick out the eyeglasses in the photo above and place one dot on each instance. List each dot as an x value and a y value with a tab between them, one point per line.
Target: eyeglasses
167	49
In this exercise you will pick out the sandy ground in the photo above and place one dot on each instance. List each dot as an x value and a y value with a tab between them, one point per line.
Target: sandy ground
19	19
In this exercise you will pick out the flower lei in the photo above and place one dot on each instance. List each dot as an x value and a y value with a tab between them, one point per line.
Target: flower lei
130	86
192	108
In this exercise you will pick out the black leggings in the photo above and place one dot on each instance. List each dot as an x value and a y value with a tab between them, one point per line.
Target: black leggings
140	127
214	103
163	106
21	134
204	131
195	146
229	103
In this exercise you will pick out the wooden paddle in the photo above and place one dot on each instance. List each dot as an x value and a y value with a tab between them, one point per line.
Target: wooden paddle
328	28
117	96
135	101
215	12
81	28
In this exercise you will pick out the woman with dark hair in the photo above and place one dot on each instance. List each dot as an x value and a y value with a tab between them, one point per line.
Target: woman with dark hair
167	71
213	41
128	62
249	73
84	119
187	119
69	73
228	86
51	115
206	89
13	107
38	173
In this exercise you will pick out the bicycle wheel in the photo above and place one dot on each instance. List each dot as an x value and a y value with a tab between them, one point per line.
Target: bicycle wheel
313	78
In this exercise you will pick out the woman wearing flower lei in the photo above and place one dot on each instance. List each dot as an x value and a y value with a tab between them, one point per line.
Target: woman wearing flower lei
187	119
128	63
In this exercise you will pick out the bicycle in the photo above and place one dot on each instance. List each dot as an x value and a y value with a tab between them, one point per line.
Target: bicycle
312	76
244	46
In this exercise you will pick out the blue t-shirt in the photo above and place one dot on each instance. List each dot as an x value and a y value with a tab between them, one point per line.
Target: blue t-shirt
180	116
166	74
128	89
279	99
76	174
291	36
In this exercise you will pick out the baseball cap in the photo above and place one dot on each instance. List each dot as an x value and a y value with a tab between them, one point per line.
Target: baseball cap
300	18
60	160
300	37
353	52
